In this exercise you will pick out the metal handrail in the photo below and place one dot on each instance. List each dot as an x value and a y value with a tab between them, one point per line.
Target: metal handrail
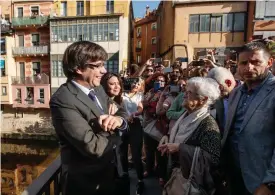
30	20
43	49
42	184
31	80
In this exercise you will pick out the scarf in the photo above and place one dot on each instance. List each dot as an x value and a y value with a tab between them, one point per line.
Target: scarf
187	124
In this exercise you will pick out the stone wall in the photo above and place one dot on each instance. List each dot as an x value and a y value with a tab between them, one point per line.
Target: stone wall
35	121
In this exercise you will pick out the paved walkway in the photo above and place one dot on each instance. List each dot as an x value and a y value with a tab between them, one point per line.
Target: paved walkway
151	184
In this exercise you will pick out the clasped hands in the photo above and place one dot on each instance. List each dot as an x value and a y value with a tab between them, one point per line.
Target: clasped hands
165	147
108	122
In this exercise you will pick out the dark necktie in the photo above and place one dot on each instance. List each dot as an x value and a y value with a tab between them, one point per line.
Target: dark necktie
92	95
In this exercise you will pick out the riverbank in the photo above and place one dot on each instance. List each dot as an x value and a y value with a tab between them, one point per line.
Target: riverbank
23	161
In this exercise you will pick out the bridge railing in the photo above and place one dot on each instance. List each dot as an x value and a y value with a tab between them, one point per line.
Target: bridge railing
42	185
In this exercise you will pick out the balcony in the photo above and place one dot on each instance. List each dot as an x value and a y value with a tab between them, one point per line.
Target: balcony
34	80
21	22
6	28
31	51
138	49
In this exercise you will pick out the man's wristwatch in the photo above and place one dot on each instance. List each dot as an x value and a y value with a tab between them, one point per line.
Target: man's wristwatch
271	186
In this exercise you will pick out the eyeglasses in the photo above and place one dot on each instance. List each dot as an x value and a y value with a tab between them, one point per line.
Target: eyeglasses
95	65
161	81
150	70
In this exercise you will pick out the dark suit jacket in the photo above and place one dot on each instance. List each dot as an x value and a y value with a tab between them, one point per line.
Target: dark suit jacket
87	153
219	106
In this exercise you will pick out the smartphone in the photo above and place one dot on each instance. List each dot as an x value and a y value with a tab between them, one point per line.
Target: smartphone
174	88
167	70
158	60
198	63
156	86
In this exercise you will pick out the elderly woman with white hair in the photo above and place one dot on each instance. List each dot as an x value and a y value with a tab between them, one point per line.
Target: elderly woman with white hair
196	128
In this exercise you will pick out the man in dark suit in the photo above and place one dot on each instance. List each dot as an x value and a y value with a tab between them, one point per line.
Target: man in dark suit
226	82
87	133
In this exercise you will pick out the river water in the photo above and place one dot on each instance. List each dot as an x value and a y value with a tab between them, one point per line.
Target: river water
22	161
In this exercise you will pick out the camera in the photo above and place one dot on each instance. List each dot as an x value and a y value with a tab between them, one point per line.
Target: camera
174	89
128	82
198	63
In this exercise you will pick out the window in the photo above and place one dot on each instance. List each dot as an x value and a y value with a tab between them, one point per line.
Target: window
64	33
154	41
216	23
102	29
194	23
80	8
21	40
3	46
35	39
227	22
63	9
110	6
41	96
139	44
112	63
56	66
4	90
154	26
2	64
239	21
138	31
36	68
18	96
60	69
204	23
30	95
20	12
34	11
54	33
138	59
22	69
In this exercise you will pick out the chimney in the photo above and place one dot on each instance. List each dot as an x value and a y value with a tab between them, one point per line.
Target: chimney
147	10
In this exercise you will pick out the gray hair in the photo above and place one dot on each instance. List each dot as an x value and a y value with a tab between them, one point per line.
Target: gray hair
221	74
205	87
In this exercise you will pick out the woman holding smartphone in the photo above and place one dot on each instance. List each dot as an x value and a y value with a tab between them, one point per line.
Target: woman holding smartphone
132	102
153	133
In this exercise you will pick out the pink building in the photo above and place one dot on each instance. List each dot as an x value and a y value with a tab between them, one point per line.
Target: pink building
31	85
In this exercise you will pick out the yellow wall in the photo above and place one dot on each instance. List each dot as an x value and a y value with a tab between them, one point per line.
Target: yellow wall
203	40
175	27
9	69
166	28
97	7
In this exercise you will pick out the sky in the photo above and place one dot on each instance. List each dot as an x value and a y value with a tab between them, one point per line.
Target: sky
140	7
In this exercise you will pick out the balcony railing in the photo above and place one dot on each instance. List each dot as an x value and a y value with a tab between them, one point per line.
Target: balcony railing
30	21
42	185
138	49
43	79
5	28
34	50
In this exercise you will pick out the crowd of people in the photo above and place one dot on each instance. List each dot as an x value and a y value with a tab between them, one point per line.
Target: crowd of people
207	129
